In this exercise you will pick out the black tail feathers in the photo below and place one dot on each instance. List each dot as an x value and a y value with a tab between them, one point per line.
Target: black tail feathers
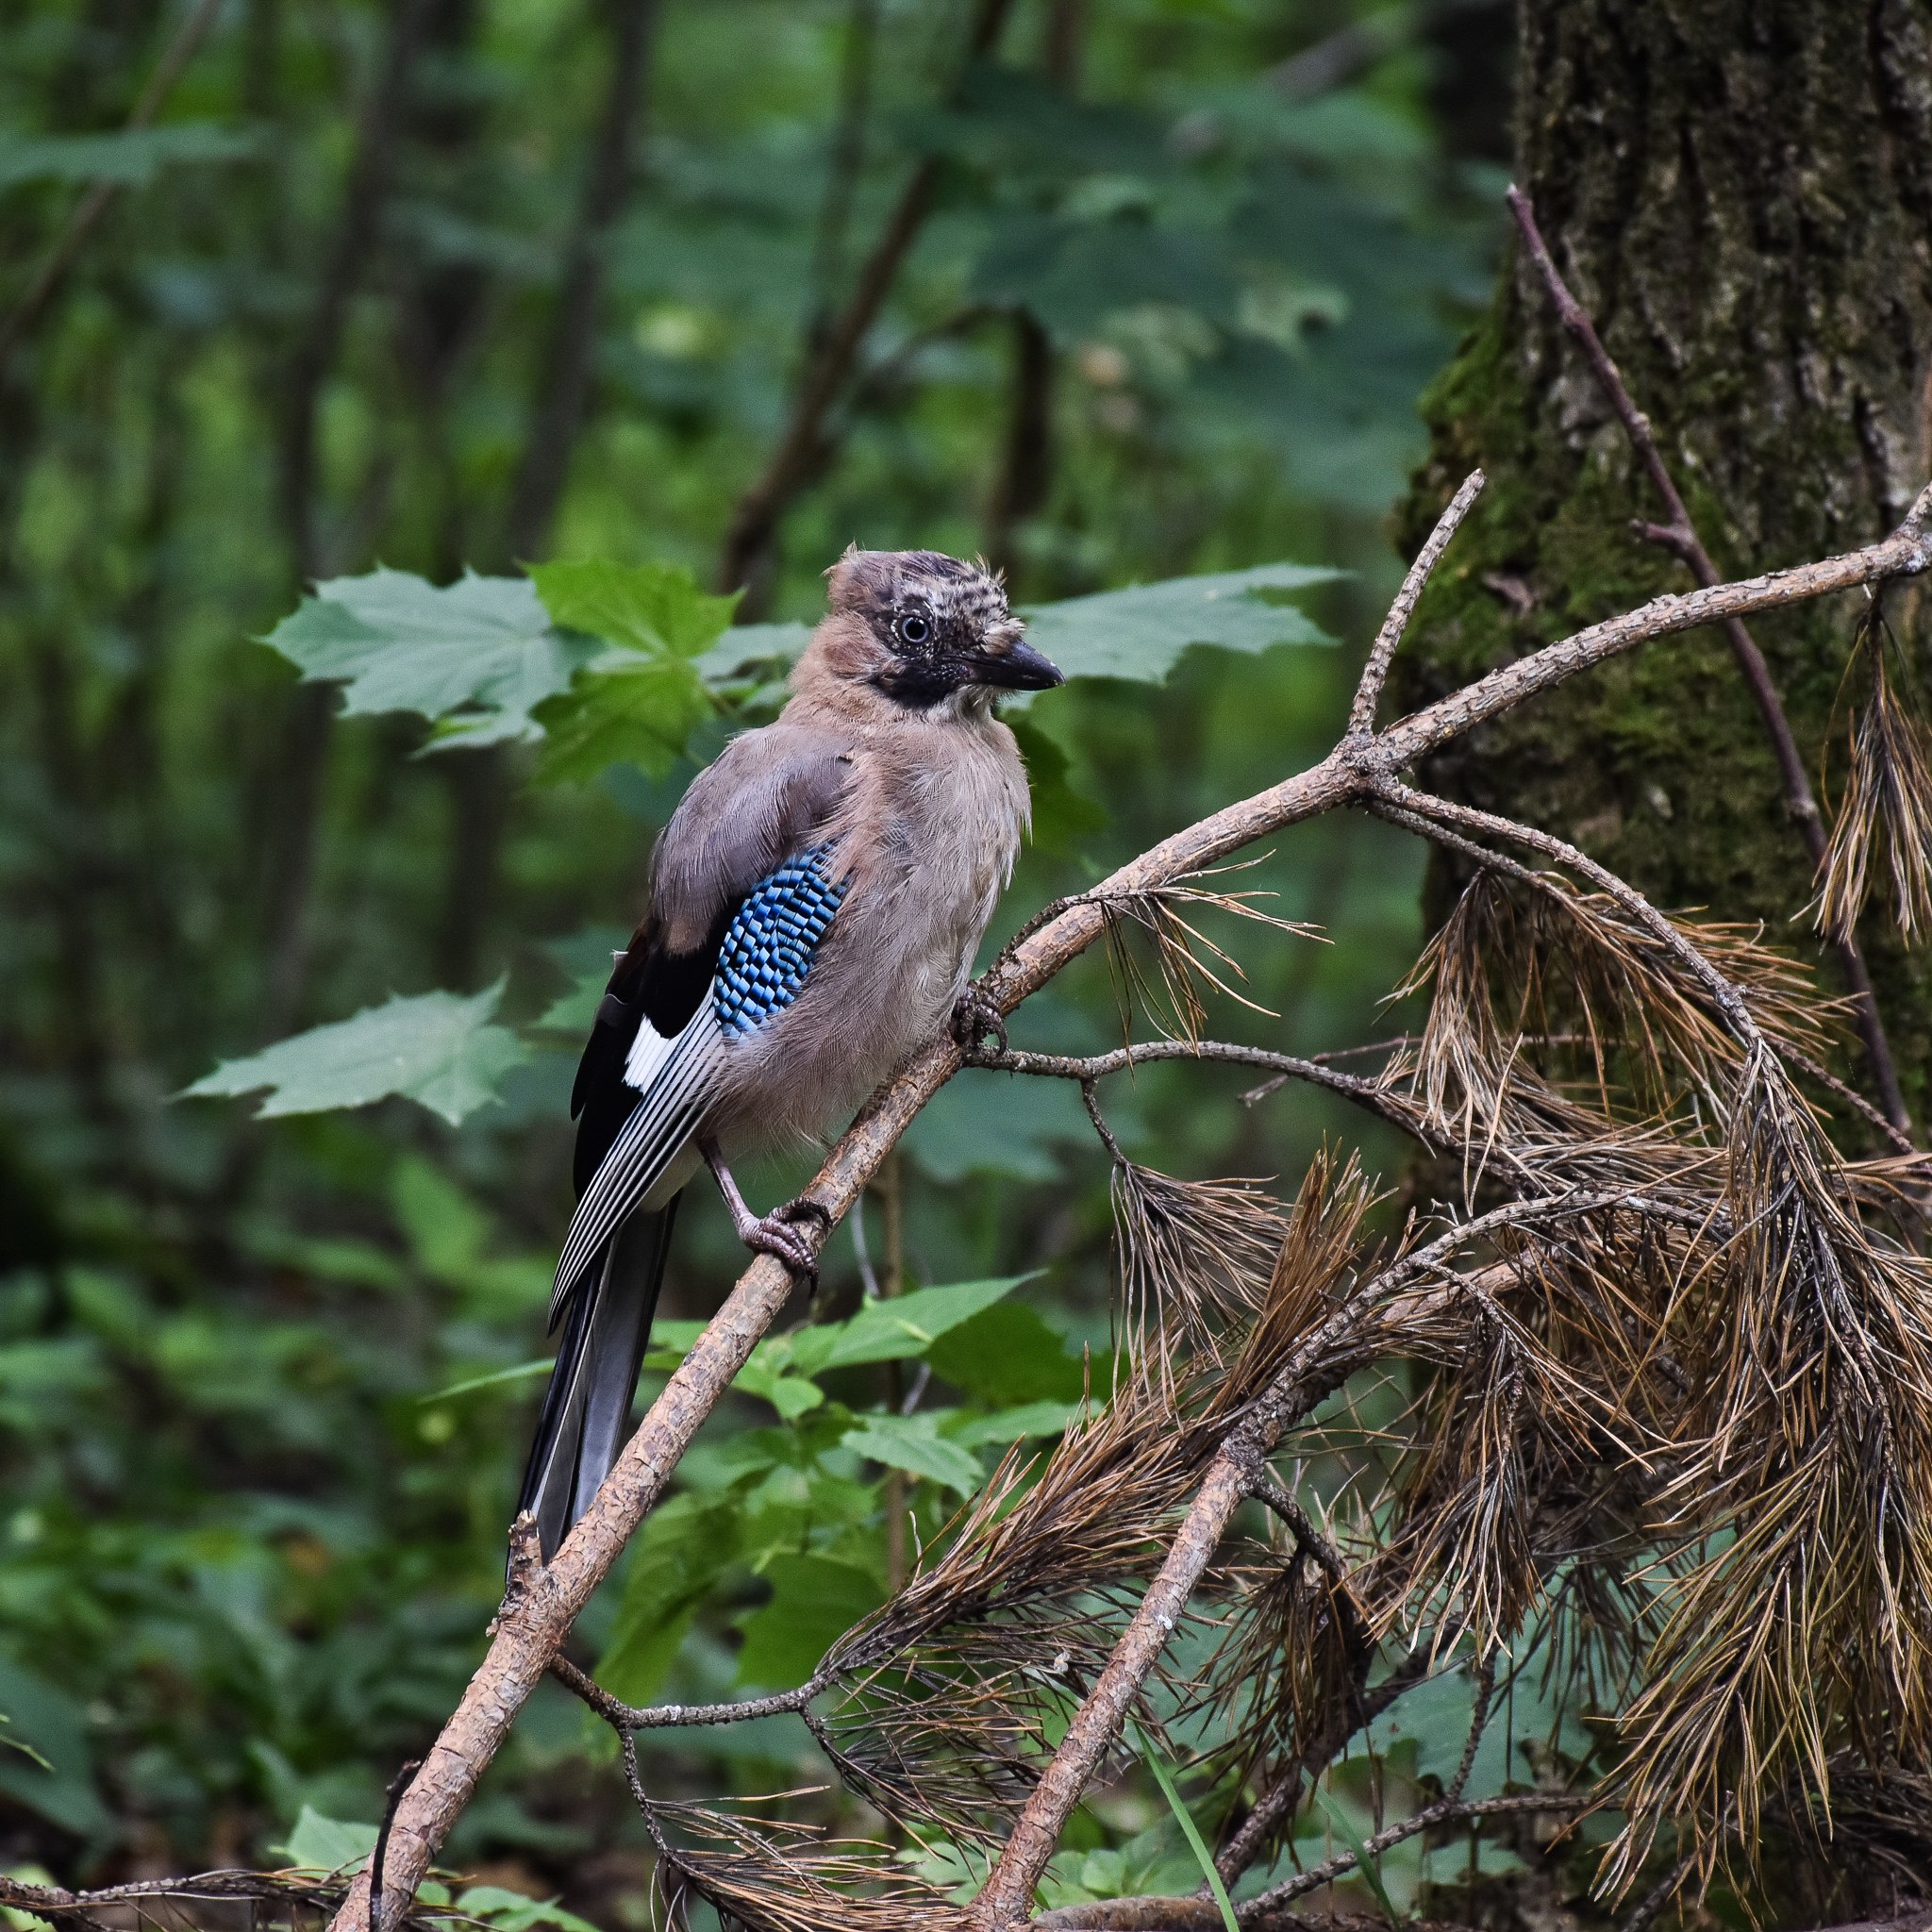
607	1324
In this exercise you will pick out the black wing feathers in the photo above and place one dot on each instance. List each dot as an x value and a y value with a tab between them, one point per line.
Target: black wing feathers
765	799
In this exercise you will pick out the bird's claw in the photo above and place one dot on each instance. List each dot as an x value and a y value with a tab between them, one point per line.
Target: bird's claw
778	1236
976	1018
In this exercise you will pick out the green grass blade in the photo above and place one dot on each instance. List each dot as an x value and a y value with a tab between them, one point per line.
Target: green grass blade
1366	1862
521	1373
1189	1830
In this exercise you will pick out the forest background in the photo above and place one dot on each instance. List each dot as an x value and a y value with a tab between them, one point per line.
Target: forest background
664	301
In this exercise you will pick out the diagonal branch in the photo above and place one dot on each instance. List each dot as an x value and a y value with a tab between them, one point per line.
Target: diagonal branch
801	447
1361	713
1679	536
1279	1802
627	1717
93	204
1356	1329
1370	1094
531	1632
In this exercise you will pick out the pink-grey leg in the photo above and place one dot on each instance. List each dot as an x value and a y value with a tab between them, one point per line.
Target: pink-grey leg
776	1233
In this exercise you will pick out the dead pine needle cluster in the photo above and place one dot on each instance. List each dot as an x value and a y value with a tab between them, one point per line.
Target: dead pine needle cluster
1624	1415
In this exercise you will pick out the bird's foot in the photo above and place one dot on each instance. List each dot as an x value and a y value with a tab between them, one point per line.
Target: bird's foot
976	1018
778	1234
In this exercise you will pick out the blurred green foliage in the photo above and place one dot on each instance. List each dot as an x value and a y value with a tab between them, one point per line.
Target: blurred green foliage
265	1386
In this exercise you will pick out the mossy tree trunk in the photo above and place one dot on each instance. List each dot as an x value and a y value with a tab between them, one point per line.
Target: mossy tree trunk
1741	192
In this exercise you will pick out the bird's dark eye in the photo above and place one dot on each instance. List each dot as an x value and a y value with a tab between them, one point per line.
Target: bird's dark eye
914	627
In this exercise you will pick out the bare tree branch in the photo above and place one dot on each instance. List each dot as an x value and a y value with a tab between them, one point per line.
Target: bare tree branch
625	1717
1268	1908
1680	537
1277	1803
1004	1898
801	447
1361	713
531	1631
93	204
1379	1100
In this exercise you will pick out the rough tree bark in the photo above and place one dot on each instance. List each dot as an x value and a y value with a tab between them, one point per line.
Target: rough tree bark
1741	192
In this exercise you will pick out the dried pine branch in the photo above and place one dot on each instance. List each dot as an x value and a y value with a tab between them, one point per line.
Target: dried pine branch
1186	962
1801	1620
1888	795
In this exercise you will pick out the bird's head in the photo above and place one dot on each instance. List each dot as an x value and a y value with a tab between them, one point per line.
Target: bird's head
925	631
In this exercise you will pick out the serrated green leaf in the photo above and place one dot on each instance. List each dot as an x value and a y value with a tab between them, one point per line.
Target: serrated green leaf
1140	633
437	1049
1062	816
746	644
128	157
640	705
586	957
791	1395
983	1123
647	607
516	1911
476	657
895	1329
631	712
913	1443
327	1844
1016	1425
685	1546
1008	1357
815	1600
1437	1714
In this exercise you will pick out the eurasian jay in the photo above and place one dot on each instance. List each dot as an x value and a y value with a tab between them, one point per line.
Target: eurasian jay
812	912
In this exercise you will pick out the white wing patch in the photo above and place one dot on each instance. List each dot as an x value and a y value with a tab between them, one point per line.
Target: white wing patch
649	1051
668	1111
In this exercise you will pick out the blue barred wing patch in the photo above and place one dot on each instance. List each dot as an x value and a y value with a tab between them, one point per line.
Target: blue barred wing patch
768	948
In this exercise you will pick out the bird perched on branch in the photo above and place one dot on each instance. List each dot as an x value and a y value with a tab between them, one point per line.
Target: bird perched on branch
814	906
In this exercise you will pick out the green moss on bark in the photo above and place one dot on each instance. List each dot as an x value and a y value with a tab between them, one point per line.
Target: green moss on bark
1740	190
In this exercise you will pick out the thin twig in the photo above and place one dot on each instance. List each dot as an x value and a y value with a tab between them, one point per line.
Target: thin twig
1278	1803
1444	1811
93	204
1661	1893
1479	1721
1370	1094
1263	1489
1680	537
627	1717
79	1908
1361	713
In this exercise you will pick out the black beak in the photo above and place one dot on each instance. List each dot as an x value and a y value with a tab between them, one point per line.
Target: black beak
1021	668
